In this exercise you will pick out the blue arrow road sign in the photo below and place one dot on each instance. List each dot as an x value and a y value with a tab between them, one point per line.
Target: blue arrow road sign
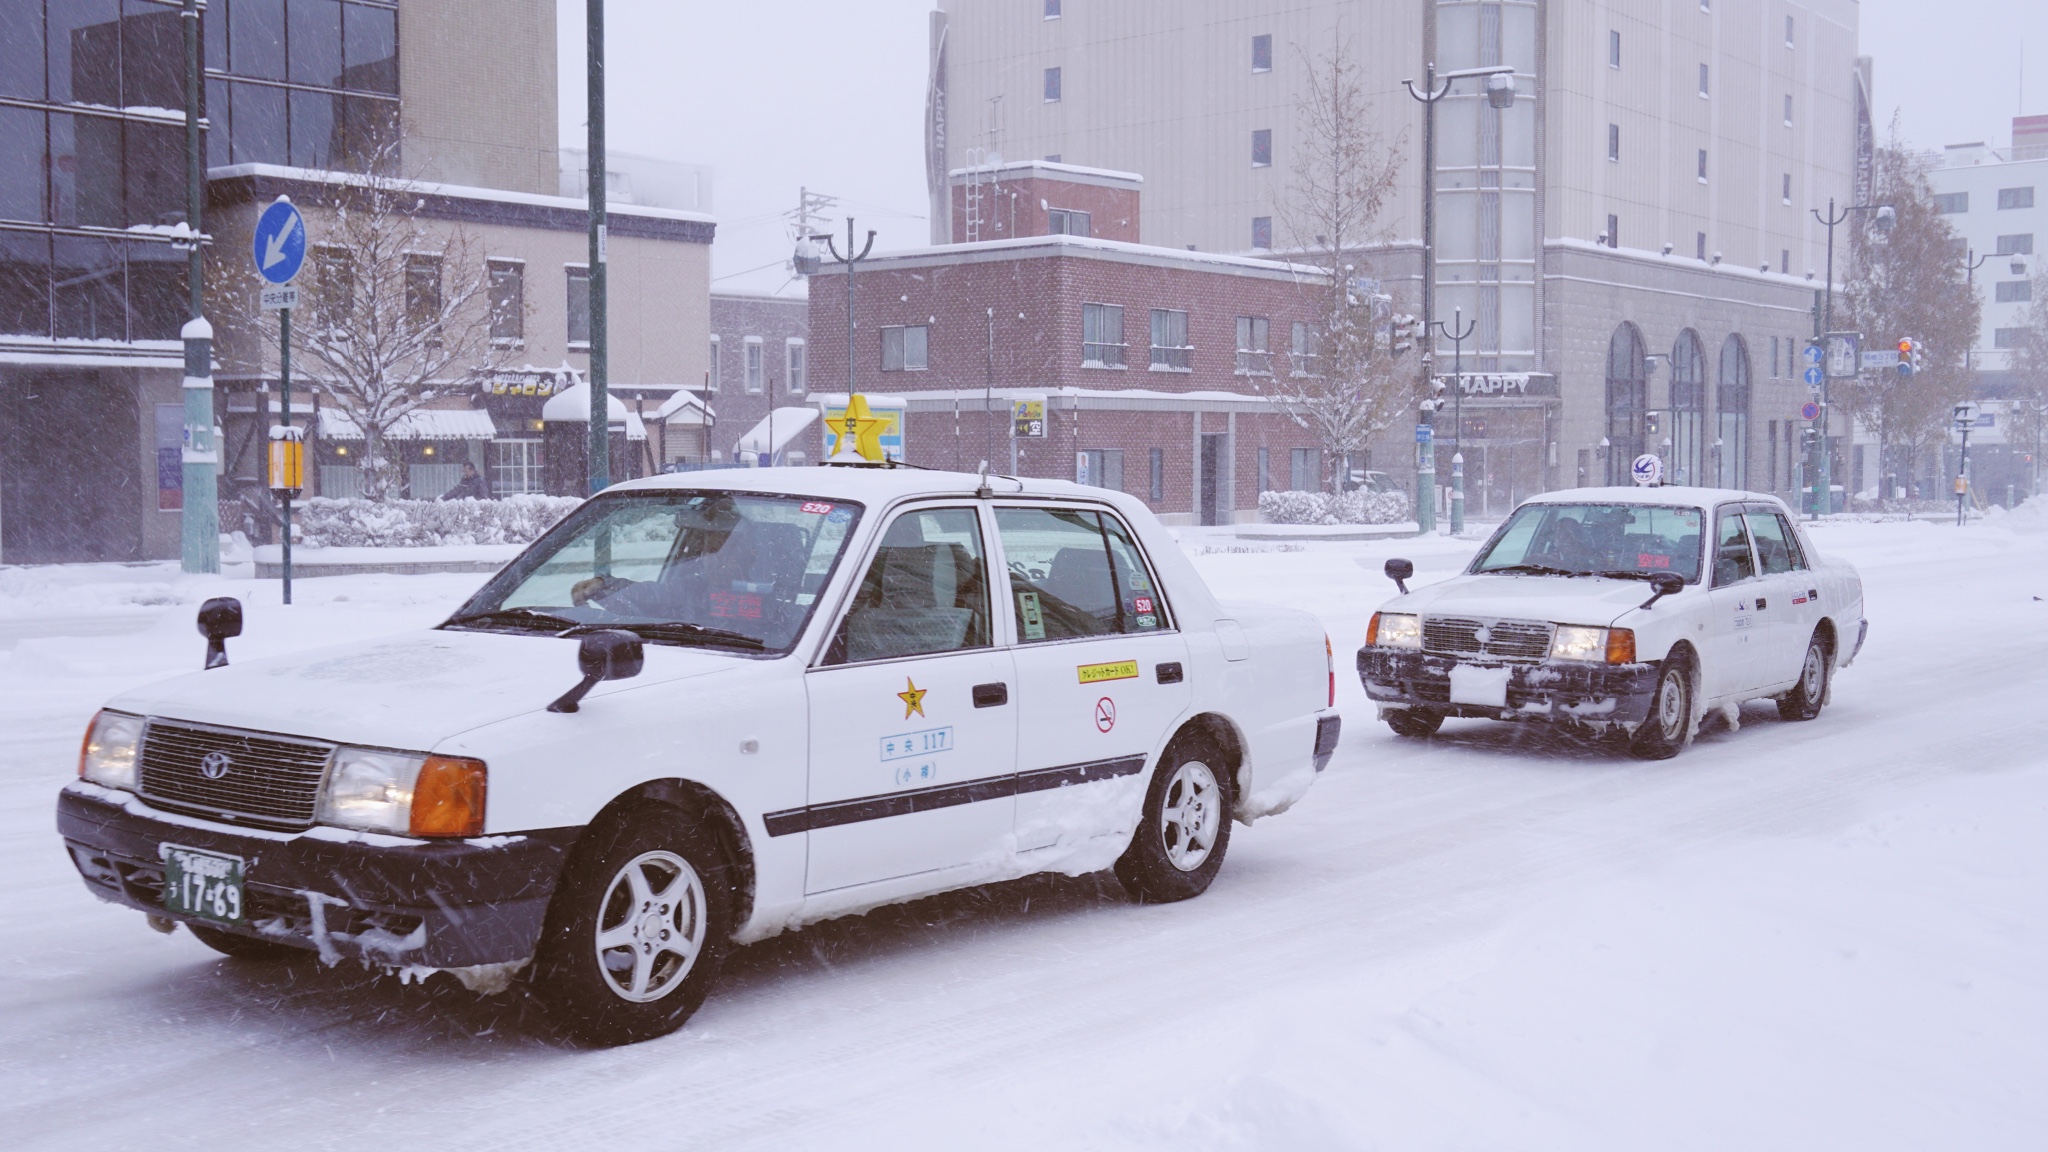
1814	376
280	242
1814	355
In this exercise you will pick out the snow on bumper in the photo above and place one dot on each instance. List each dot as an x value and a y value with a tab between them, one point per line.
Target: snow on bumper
1559	690
434	904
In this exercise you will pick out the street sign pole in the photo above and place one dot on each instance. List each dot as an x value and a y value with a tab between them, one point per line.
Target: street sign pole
199	507
278	247
600	468
284	390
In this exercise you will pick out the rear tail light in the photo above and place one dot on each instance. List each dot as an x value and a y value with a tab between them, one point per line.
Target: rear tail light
1621	646
1330	661
448	798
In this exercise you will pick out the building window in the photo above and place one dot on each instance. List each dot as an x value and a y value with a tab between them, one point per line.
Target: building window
1171	351
754	365
334	285
1052	9
1262	53
1262	232
579	306
1254	345
1774	357
2008	337
1699	246
1068	222
423	295
1785	188
1784	261
2015	291
1951	203
1102	468
2019	244
795	366
1613	234
1052	157
1614	142
1703	81
1158	491
2015	198
905	348
1102	336
1302	350
1265	470
515	467
1703	165
1614	49
1262	148
508	303
1788	32
1052	85
1305	470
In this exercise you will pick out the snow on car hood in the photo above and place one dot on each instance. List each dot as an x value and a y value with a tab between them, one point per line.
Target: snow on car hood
408	691
1559	599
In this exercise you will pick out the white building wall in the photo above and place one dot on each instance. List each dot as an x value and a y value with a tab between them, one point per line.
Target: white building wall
1988	229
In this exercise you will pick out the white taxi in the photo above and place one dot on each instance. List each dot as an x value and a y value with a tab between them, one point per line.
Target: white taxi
1628	611
703	709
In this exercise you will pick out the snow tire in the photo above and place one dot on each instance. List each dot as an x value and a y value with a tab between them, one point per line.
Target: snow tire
1816	672
1415	723
1184	830
1668	728
637	927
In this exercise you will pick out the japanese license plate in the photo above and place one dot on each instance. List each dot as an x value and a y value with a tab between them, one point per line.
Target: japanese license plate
203	884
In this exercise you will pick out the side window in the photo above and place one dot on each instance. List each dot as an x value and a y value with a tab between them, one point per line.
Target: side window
926	591
1732	561
1777	549
1069	579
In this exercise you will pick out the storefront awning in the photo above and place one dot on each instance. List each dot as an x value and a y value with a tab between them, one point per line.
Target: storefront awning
419	424
572	406
685	408
785	424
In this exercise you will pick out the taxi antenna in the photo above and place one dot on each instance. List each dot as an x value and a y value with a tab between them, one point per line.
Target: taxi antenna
981	489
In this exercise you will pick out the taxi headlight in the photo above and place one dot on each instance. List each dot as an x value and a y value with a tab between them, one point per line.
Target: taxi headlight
1579	642
1398	630
108	755
404	793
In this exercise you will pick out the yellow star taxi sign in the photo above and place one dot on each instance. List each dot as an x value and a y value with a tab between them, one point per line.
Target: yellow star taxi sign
912	697
857	435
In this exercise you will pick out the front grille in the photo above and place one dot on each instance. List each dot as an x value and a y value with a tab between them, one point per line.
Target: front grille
269	782
1470	636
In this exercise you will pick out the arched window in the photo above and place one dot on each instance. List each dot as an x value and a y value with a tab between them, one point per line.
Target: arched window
1731	400
1627	397
1688	411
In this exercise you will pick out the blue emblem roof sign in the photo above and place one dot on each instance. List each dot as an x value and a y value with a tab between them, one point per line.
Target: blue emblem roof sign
1647	470
279	244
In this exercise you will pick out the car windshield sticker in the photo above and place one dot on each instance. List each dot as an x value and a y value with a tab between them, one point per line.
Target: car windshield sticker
816	507
736	605
1117	670
1652	560
912	697
904	745
1105	714
1032	619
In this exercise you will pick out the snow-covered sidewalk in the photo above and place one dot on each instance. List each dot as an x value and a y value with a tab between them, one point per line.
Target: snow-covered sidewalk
1793	936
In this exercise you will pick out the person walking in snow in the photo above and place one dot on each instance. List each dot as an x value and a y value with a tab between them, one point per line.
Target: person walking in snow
470	487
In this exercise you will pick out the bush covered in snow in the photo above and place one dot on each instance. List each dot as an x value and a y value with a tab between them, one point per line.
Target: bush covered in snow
321	522
1360	507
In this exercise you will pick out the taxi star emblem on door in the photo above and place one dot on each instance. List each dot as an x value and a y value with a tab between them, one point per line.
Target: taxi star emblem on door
1105	714
912	697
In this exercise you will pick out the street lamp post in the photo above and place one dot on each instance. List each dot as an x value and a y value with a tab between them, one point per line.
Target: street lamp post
1500	94
1822	488
600	467
848	259
1457	332
199	514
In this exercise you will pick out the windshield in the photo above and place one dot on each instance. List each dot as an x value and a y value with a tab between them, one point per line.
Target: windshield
715	569
1624	540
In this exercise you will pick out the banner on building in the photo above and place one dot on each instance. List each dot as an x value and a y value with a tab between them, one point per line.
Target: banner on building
1506	385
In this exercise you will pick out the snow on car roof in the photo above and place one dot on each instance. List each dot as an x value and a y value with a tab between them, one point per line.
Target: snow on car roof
870	485
1666	494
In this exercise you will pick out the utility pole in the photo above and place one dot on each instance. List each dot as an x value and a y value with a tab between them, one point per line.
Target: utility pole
600	379
849	259
988	389
1457	332
1823	488
199	517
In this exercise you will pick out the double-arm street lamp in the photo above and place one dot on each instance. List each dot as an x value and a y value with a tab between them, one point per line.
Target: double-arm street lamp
1823	489
1500	94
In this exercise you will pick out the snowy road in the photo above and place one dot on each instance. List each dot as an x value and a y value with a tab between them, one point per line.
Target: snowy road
1831	934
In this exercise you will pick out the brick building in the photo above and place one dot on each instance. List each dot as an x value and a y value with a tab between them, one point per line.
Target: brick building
1155	366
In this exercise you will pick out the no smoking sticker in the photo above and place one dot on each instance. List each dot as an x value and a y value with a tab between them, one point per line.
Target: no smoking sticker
1105	714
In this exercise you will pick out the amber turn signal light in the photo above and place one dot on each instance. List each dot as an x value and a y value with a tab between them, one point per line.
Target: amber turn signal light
448	797
1372	631
1621	648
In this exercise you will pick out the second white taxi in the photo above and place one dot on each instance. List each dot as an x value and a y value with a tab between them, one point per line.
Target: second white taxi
1634	612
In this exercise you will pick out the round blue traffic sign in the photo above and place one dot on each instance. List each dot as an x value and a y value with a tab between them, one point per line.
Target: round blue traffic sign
1809	411
279	245
1814	355
1814	376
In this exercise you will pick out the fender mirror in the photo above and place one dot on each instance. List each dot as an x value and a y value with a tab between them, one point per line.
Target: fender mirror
607	655
1663	584
1400	572
219	618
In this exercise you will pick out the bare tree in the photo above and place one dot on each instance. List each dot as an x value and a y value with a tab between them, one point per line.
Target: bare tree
1349	389
395	309
2027	404
1910	282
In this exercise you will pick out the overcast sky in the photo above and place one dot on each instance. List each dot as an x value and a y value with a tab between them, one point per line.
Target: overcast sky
779	94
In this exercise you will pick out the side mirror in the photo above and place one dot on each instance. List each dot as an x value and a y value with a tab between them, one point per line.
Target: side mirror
219	618
1400	572
1664	584
608	655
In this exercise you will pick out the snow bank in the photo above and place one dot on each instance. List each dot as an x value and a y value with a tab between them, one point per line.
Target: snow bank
1360	507
426	523
2031	517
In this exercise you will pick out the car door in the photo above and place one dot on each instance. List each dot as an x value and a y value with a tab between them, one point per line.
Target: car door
1785	613
1101	670
913	738
1731	663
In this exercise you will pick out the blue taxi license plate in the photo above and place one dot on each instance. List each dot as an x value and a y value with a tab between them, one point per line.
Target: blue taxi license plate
203	884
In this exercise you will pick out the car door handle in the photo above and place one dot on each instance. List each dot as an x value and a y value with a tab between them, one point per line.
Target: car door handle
991	695
1762	604
1168	673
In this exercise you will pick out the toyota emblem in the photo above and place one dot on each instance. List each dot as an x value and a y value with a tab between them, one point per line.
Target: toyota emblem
215	765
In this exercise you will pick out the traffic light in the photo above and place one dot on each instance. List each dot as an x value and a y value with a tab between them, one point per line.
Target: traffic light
1919	351
1909	356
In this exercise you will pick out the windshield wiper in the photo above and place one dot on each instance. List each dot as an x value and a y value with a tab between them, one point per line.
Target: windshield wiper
1627	574
1532	569
678	632
533	617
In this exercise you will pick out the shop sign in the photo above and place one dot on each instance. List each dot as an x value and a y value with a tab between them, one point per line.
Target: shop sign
1506	385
